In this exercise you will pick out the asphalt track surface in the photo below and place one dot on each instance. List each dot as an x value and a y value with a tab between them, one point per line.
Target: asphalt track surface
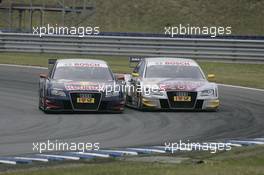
21	123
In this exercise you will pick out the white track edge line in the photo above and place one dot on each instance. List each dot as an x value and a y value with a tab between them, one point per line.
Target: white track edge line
241	87
23	66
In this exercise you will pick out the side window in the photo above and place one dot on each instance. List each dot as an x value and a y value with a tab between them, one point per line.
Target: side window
136	69
52	69
141	69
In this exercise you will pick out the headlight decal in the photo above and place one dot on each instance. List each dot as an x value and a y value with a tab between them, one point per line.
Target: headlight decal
57	92
208	92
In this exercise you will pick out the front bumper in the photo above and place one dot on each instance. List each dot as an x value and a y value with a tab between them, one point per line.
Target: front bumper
162	103
111	104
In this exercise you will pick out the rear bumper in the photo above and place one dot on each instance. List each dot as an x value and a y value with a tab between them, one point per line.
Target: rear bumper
113	104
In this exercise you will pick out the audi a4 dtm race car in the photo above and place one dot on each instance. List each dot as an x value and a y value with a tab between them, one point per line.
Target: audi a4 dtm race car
171	84
79	85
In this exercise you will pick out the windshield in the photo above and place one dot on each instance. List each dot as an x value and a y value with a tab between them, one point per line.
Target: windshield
169	71
83	73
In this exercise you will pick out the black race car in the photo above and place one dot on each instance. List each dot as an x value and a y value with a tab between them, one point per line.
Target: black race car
79	85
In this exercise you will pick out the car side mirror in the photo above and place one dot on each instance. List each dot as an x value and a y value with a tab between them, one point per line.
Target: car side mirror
211	76
120	77
43	76
127	77
134	74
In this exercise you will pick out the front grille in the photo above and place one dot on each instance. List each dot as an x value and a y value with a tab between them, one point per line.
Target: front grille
182	104
86	106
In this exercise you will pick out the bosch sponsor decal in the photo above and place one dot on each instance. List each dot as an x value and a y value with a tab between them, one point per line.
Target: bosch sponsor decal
88	65
172	63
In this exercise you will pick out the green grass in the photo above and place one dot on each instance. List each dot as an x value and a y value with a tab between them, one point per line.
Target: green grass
240	161
244	16
118	64
250	75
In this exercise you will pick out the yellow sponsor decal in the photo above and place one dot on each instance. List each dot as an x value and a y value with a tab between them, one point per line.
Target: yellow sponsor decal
85	100
182	98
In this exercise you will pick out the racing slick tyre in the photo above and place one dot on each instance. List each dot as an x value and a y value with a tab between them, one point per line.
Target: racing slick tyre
43	108
40	104
140	104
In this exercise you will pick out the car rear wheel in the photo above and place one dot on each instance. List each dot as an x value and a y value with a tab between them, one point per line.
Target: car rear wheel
40	104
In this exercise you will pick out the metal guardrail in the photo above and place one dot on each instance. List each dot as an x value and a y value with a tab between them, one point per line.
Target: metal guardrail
196	48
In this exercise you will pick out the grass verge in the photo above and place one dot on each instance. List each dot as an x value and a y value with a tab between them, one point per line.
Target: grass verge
250	75
244	16
239	161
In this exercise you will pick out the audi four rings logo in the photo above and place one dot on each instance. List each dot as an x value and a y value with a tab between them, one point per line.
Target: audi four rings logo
86	95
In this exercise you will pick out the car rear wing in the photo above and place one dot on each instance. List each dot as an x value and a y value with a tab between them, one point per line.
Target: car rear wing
133	61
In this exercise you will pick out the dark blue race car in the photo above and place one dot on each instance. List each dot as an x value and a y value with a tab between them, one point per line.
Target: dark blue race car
80	85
